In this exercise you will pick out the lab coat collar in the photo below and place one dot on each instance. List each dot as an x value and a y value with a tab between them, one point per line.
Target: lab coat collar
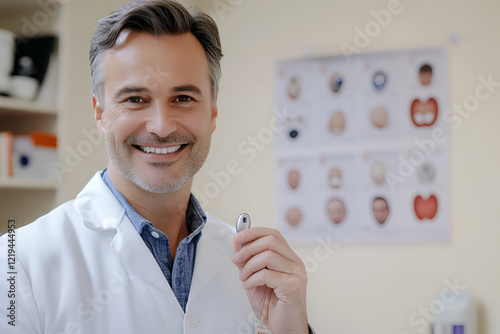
211	255
141	261
98	207
101	211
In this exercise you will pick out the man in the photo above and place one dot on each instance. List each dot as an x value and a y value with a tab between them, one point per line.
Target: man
336	210
380	209
134	252
425	75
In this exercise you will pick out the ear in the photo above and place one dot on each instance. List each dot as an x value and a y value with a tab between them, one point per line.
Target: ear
98	115
214	113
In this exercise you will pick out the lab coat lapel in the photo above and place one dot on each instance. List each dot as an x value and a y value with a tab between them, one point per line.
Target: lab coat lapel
210	256
97	206
132	250
101	211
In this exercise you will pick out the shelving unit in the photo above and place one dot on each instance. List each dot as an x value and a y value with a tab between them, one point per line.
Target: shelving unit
13	183
11	107
27	199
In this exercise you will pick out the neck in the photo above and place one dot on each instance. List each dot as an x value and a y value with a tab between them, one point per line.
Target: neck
166	211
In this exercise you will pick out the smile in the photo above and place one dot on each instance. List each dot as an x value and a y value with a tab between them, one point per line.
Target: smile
159	150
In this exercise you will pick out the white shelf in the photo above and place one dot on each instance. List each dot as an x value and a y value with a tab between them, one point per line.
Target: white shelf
23	116
13	183
9	105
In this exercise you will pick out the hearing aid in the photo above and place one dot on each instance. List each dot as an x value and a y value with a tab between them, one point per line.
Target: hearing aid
243	222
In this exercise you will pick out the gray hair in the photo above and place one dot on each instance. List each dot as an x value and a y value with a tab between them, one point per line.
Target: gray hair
156	17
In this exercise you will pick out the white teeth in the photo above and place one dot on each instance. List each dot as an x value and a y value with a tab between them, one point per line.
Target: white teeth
160	150
419	118
172	149
429	117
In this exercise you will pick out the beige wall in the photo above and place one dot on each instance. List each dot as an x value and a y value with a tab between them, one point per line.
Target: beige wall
80	21
358	289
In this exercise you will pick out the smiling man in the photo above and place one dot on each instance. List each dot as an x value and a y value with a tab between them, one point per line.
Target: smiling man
157	132
134	252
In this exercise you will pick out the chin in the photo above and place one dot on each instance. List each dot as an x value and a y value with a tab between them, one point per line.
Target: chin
153	180
158	187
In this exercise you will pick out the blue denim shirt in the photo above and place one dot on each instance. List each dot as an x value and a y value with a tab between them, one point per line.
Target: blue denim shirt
178	271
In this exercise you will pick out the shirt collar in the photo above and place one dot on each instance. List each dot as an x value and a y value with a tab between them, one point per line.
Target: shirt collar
195	219
195	216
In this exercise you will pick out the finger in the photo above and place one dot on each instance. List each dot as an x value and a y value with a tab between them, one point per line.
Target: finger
237	247
257	232
267	260
236	244
286	287
268	242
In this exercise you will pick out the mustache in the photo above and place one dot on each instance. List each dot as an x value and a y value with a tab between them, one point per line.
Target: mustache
152	139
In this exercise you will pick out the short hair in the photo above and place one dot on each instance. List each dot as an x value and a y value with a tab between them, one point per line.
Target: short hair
383	199
155	17
426	68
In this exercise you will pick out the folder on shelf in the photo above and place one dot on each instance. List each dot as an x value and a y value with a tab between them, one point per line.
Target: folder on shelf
34	154
6	144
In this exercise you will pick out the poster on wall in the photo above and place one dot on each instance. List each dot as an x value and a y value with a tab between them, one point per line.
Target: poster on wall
364	155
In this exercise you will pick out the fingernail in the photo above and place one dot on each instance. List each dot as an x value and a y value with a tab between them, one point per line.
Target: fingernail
235	256
238	237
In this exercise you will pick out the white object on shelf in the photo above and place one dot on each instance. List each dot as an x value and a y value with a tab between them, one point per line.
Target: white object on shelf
33	156
7	59
23	87
47	94
459	315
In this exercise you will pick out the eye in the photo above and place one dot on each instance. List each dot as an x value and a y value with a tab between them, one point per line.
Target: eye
134	99
183	98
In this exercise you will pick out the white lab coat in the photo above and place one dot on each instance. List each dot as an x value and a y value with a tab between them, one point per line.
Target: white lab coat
83	268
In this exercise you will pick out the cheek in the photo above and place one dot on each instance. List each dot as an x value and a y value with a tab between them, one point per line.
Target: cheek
119	124
198	125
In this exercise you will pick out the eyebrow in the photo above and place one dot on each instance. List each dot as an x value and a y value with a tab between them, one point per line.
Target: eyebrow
187	88
129	89
137	89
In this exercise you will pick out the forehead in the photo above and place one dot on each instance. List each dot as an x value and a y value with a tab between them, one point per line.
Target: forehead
334	204
143	59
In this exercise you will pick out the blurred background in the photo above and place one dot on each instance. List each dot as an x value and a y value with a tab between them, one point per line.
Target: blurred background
352	288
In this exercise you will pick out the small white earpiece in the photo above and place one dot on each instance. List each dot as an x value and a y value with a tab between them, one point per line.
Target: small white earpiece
243	222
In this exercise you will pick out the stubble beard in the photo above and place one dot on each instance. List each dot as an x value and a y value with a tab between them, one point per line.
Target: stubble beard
164	181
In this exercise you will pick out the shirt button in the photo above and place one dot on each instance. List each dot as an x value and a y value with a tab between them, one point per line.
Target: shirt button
193	321
155	234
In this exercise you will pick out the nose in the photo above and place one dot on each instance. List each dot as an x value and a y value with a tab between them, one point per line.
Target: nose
161	121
